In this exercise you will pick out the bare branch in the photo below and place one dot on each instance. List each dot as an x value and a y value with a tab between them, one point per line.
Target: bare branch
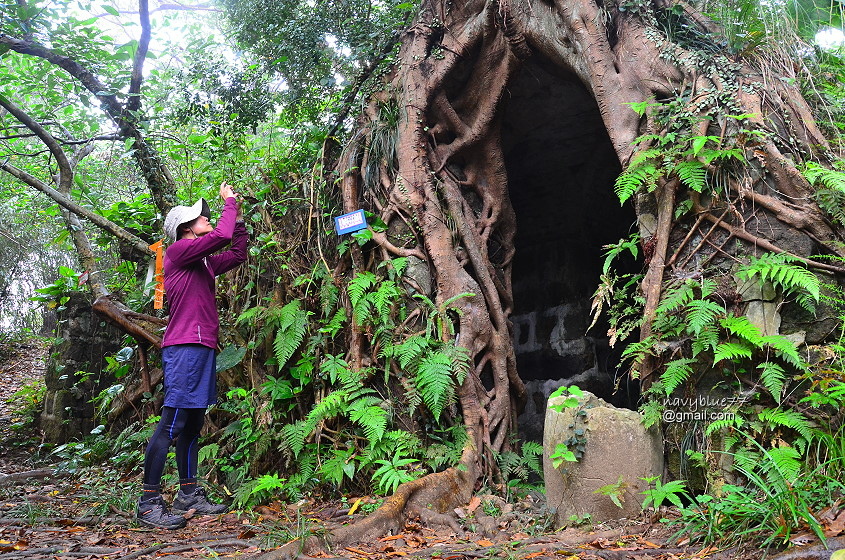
105	224
138	64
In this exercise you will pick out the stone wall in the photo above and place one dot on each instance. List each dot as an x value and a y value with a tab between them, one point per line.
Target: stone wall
75	370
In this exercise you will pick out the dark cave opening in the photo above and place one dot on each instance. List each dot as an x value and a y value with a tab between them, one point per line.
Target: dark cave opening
561	169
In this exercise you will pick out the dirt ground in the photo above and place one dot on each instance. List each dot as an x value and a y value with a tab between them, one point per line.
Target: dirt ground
48	512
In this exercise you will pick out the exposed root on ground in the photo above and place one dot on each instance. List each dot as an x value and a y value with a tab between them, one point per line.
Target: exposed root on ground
428	498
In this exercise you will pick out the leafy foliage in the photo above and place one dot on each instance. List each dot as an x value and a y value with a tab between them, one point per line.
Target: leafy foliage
780	269
674	155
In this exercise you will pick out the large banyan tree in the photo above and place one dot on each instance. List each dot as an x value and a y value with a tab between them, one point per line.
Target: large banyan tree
713	148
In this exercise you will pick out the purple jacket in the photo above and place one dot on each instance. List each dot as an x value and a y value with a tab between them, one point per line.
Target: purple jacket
189	271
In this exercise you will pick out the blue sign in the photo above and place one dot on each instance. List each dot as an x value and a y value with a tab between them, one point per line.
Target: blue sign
350	222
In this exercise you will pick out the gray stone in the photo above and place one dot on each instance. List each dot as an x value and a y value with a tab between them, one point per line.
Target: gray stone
765	316
419	272
618	450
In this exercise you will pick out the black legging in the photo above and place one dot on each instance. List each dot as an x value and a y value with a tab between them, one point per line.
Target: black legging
184	426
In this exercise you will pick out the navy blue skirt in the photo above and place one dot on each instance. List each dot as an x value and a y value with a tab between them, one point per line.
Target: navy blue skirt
190	376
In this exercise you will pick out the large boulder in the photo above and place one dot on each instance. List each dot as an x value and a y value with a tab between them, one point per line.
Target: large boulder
616	453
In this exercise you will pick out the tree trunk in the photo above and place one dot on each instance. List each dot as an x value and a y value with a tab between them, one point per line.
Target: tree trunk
450	186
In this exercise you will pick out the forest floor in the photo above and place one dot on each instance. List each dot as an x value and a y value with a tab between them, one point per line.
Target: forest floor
46	511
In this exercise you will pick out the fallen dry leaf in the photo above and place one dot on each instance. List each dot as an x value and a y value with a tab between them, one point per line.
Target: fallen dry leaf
392	537
474	502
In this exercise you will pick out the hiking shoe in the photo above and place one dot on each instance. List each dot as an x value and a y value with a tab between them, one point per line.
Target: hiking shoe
198	501
154	512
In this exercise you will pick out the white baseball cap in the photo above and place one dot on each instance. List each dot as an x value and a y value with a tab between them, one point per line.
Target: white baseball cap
179	215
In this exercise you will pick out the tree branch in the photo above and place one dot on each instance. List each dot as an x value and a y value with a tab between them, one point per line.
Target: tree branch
106	225
134	103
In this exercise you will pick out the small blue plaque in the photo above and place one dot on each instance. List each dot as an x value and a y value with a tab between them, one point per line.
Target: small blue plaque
350	222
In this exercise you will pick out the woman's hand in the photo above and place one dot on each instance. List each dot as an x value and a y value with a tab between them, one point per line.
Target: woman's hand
226	190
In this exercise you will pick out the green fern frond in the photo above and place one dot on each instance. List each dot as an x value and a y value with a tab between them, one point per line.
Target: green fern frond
730	421
384	298
338	466
693	174
785	461
633	179
676	298
434	381
332	404
772	377
329	295
702	313
832	201
292	326
707	339
333	366
249	315
391	473
295	434
707	286
792	419
461	361
786	350
410	350
708	156
335	324
785	272
359	286
677	371
362	311
373	419
818	175
731	351
742	328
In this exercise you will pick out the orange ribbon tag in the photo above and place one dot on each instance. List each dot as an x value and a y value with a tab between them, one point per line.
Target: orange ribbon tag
158	300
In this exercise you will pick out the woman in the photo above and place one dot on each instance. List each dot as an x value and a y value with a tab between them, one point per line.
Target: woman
189	350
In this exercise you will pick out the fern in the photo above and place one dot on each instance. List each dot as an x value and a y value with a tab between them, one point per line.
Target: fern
334	367
532	453
295	435
461	361
633	179
373	419
785	462
434	381
677	371
329	295
728	422
693	174
637	352
772	377
707	339
391	473
677	297
785	350
337	466
332	404
702	313
290	334
792	419
731	351
335	324
816	174
743	328
384	298
782	271
359	286
411	349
